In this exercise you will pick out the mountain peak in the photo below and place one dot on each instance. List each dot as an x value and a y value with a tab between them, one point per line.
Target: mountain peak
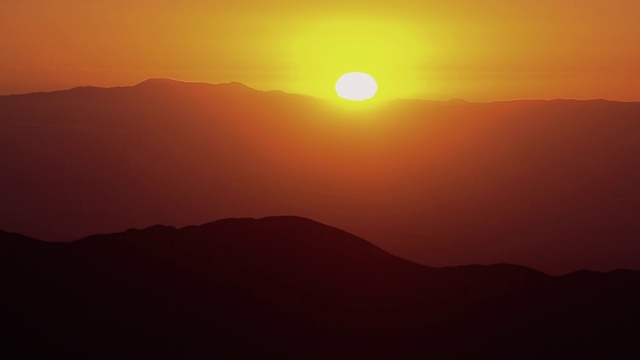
165	82
159	81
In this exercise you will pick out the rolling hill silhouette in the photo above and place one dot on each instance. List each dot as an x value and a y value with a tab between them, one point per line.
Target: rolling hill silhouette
547	184
289	287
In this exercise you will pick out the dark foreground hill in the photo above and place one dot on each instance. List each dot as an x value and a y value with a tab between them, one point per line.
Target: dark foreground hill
288	287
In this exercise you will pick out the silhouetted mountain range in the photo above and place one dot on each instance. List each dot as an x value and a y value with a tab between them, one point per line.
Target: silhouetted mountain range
289	287
548	184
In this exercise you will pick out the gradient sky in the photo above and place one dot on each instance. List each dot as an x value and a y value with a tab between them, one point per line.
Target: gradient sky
475	50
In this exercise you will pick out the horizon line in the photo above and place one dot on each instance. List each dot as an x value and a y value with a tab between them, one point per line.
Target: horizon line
236	83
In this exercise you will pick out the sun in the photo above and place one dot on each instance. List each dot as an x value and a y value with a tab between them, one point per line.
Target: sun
356	86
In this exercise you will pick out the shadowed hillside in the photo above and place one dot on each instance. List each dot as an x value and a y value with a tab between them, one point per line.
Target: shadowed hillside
288	287
549	184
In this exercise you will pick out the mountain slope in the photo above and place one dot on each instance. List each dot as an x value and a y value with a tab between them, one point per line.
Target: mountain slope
548	184
289	287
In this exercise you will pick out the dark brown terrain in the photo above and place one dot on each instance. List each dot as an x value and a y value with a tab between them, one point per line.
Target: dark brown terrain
288	287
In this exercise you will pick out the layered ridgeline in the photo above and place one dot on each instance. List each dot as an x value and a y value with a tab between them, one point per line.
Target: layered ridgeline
288	287
548	184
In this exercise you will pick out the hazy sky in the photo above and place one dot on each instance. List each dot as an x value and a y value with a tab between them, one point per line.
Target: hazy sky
476	50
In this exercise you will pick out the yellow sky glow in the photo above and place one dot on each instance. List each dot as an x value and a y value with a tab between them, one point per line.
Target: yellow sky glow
475	50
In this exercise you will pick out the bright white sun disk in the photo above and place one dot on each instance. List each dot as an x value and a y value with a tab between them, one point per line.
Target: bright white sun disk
356	86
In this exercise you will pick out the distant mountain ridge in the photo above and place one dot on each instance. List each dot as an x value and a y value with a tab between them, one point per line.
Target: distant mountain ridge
547	184
289	287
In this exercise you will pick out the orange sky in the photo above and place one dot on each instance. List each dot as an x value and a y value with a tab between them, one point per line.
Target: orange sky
475	50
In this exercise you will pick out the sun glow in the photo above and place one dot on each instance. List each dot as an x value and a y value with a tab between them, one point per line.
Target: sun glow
321	51
356	86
